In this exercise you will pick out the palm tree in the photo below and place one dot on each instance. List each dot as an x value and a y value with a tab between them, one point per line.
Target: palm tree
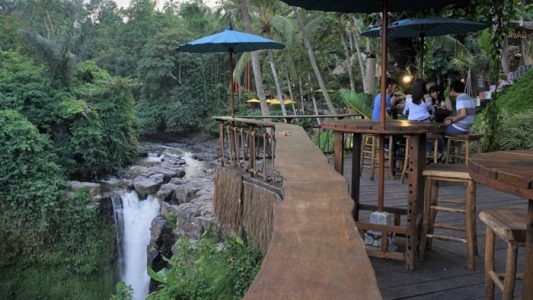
313	62
267	9
256	65
346	50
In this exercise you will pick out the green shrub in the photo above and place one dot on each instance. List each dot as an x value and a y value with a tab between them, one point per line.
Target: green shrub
31	186
516	132
207	269
517	98
122	292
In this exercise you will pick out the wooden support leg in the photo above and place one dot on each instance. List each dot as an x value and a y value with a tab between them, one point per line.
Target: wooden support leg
448	150
510	272
527	288
339	151
489	263
373	157
434	196
470	218
417	160
426	217
356	165
405	160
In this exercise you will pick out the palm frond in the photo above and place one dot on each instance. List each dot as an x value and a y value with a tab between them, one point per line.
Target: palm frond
358	102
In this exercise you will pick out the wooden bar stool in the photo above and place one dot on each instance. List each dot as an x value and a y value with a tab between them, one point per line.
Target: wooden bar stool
435	174
510	225
369	154
453	151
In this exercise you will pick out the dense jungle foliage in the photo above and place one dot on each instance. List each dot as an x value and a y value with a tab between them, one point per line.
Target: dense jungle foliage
80	80
209	268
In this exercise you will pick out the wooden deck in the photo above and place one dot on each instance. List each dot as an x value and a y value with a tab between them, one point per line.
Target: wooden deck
443	274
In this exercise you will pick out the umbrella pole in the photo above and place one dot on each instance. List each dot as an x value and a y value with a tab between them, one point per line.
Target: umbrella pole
421	63
383	83
231	83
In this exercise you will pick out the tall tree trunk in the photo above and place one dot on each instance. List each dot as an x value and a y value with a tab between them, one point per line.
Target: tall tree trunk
346	52
312	96
256	65
276	81
301	95
366	88
370	75
290	93
314	63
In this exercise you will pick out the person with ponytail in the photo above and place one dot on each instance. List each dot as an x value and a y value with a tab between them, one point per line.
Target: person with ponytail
418	110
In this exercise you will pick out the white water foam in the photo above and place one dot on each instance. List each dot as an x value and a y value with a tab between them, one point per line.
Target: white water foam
134	236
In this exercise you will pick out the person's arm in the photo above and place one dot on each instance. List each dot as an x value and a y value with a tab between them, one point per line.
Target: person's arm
460	115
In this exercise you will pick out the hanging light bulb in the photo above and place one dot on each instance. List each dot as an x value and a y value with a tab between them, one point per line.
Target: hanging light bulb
407	78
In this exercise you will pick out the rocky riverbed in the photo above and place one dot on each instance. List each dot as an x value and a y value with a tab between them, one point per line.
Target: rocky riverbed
180	176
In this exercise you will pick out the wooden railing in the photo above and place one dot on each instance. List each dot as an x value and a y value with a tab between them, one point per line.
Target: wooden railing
250	145
312	124
314	249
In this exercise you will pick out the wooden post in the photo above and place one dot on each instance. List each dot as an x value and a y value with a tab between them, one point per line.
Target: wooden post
339	151
251	149
527	288
221	142
356	172
417	156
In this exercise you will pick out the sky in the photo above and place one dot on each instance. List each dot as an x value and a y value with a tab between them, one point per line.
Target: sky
125	3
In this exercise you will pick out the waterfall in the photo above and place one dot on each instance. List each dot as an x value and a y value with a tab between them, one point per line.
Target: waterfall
133	218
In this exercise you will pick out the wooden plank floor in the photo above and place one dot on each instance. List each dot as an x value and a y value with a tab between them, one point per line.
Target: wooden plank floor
443	273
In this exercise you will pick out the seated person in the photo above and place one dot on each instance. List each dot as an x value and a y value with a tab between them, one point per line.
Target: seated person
417	108
466	110
437	97
390	99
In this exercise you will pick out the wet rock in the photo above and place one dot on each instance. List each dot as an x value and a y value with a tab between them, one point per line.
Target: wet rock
166	192
114	183
184	194
146	186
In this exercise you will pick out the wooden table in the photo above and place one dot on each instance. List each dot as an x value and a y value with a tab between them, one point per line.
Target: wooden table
510	172
417	141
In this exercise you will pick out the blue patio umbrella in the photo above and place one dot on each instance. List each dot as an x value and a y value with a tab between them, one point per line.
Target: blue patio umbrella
423	27
369	6
230	41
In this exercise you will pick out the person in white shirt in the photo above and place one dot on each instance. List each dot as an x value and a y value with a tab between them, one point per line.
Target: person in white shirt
466	111
418	109
463	121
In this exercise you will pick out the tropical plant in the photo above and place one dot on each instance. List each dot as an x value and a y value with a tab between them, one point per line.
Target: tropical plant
208	268
358	102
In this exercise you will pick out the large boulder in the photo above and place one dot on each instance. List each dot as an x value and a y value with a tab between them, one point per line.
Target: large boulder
146	186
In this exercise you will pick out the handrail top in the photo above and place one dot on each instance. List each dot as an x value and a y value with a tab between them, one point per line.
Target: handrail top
375	127
300	116
246	121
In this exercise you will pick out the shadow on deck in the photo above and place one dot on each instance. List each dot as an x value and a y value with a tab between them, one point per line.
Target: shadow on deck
443	273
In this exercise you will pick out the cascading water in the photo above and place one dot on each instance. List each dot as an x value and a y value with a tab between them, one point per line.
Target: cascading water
133	218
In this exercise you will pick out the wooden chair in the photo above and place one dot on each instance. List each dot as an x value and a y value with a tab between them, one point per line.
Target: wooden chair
369	155
435	174
510	225
453	151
